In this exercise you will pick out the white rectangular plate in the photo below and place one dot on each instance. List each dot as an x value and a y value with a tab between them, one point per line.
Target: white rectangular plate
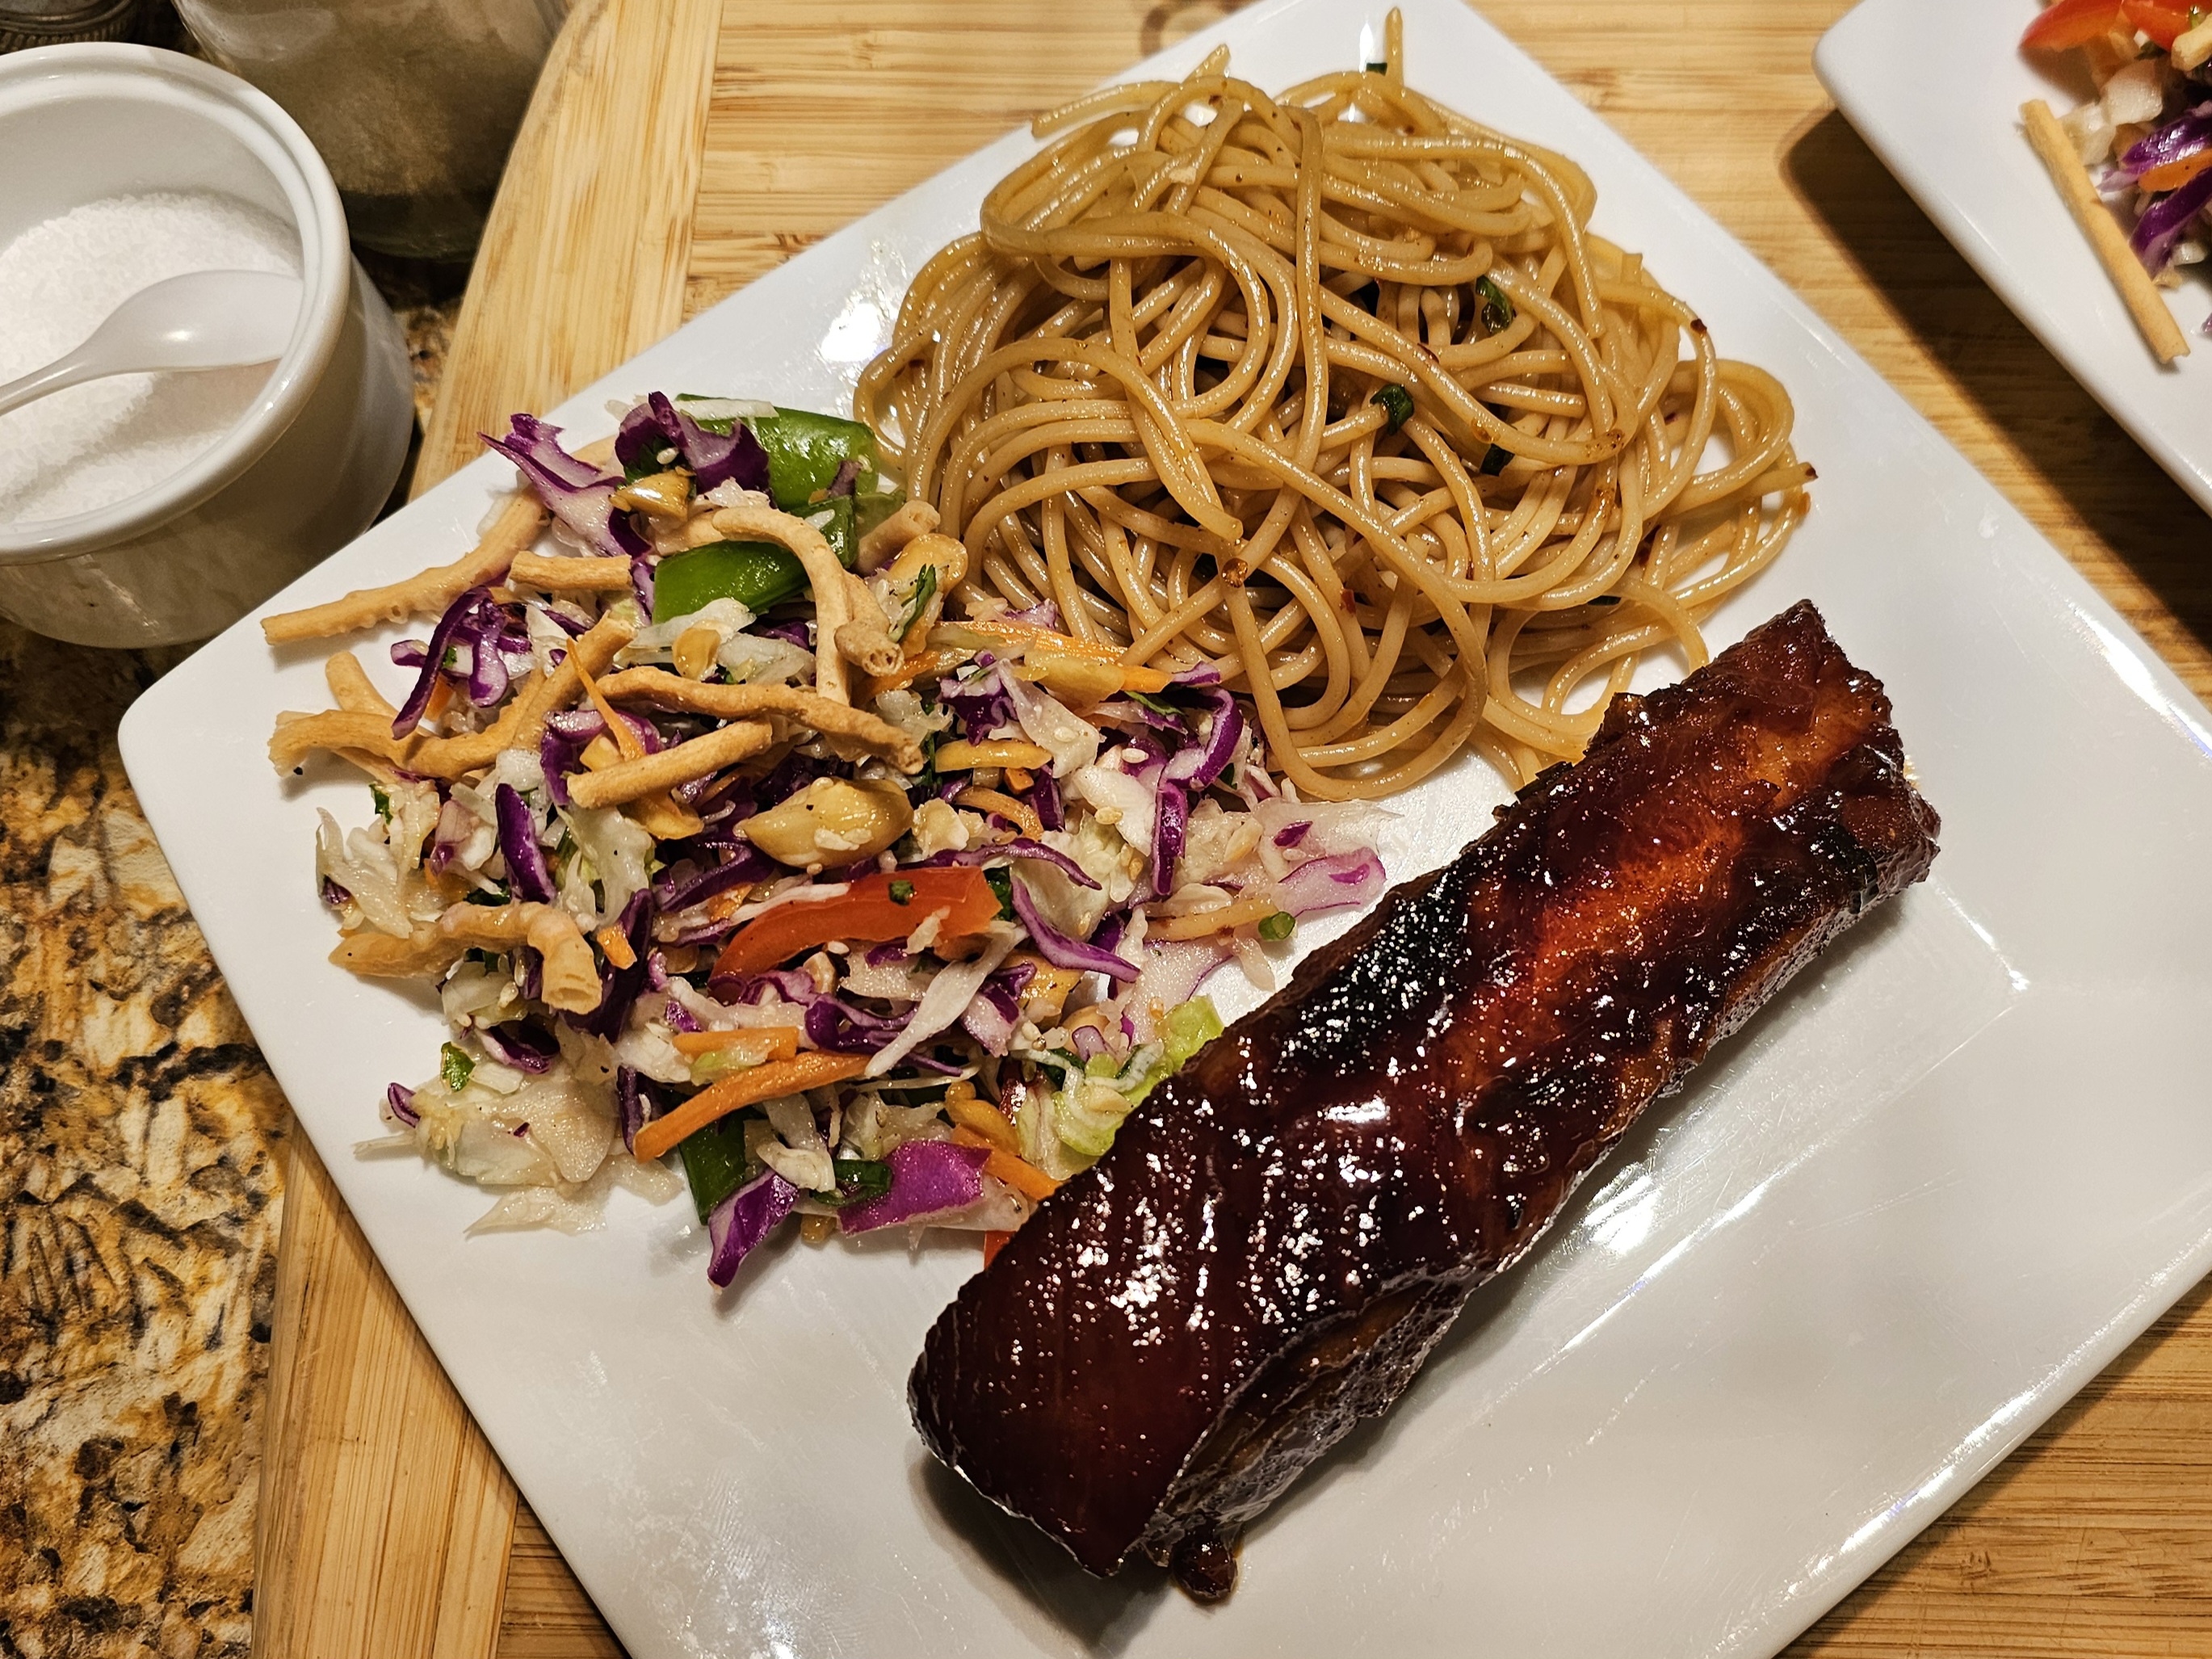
1921	1201
1937	91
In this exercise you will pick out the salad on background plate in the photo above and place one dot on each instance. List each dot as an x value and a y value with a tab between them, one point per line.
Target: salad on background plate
2149	127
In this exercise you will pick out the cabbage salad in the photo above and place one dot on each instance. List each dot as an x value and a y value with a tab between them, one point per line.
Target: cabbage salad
737	828
2149	127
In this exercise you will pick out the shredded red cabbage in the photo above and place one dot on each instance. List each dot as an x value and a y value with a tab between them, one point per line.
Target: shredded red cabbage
1061	951
838	1027
643	730
640	1100
1171	816
929	1178
791	631
1127	711
2185	135
1334	882
573	491
2160	224
788	983
464	623
518	843
335	895
683	884
619	988
560	750
991	1016
522	1044
401	1099
1020	848
1199	765
567	625
738	1225
659	425
1175	969
1044	800
981	705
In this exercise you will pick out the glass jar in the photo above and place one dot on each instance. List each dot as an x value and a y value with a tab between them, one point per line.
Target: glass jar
413	103
26	23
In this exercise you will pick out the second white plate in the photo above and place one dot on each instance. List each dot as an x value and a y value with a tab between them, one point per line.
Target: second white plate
1937	91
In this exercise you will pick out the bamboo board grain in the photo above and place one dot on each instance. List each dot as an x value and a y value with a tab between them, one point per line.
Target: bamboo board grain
2097	1536
385	1520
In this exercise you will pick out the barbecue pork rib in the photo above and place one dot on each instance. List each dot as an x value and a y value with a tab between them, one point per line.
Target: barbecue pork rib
1282	1231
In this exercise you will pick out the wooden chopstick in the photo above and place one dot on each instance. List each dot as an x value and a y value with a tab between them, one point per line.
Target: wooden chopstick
2127	272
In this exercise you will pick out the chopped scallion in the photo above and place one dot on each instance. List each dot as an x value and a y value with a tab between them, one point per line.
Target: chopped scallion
1397	404
455	1067
1496	307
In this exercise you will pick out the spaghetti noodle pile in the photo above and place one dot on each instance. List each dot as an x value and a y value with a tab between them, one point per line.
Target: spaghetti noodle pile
1336	390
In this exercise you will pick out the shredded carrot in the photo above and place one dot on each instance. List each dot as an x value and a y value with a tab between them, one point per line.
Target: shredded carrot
1023	1176
2174	174
992	1244
632	745
442	699
995	800
784	1077
764	1042
1018	1173
1019	777
981	1118
615	944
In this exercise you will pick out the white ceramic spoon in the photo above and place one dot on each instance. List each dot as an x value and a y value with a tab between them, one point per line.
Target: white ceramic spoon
202	319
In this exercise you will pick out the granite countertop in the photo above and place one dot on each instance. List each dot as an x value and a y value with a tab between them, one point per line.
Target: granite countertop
141	1178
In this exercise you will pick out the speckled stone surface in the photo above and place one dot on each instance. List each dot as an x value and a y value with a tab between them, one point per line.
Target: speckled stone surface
141	1172
140	1159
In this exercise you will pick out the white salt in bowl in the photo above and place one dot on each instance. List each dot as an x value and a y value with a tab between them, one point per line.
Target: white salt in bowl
314	456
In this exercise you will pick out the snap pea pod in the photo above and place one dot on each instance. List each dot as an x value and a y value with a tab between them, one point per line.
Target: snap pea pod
805	450
756	574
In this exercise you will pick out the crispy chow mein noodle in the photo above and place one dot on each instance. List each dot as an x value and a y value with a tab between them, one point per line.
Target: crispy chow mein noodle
1341	383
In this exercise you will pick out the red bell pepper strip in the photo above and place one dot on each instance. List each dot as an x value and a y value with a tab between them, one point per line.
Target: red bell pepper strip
2072	23
879	906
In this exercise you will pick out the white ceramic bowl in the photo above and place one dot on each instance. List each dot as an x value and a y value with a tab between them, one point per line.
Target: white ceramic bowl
306	469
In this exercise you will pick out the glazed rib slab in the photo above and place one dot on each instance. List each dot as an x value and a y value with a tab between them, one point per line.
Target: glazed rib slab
1278	1238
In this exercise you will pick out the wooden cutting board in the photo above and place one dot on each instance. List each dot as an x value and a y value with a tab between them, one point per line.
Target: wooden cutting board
677	149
